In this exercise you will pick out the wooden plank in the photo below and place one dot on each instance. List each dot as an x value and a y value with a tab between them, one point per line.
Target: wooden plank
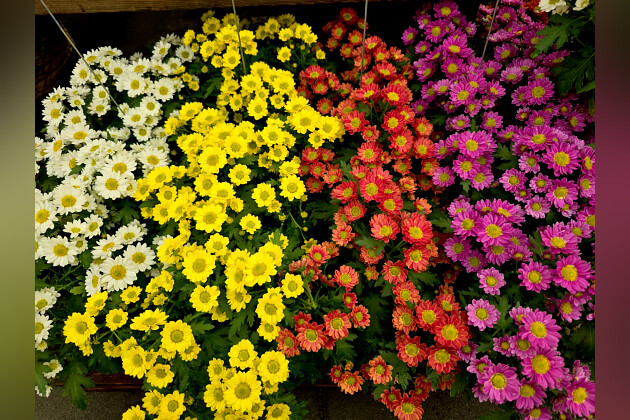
101	6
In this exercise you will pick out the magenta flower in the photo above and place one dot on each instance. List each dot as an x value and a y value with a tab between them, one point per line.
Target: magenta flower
409	36
475	144
521	347
513	180
457	248
501	383
559	239
444	177
512	212
545	368
458	122
538	413
473	261
482	314
491	280
539	91
452	66
518	313
479	366
530	395
528	162
573	273
492	121
465	166
537	207
468	352
512	74
535	138
494	229
568	309
539	183
502	345
581	397
540	329
465	223
562	158
459	205
534	276
481	178
497	254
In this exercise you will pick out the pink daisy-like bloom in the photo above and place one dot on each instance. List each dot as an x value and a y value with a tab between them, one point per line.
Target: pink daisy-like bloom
491	280
562	158
540	183
580	371
461	93
458	122
473	261
458	205
513	180
465	166
586	185
517	314
535	137
512	74
573	273
567	308
457	248
482	178
501	383
452	66
559	239
512	212
479	366
492	122
409	36
521	253
494	230
444	177
521	347
538	413
465	223
545	368
540	329
530	395
498	254
561	192
535	276
479	393
581	397
539	91
537	207
482	314
468	352
528	162
475	144
580	229
502	345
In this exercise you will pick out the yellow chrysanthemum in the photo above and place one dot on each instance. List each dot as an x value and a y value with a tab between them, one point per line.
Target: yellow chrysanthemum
292	187
172	406
177	336
263	194
278	412
273	367
204	298
116	318
78	328
151	401
292	285
242	355
210	218
214	396
149	320
242	391
259	268
270	309
250	223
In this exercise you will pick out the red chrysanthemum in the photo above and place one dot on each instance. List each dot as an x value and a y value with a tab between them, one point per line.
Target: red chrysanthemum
310	336
422	386
379	372
369	152
319	254
353	122
451	332
350	382
336	373
411	350
354	210
360	316
391	397
442	360
391	204
406	292
403	319
409	408
370	133
343	234
447	302
394	272
349	299
345	191
416	229
371	187
427	314
393	121
346	276
287	343
336	324
384	227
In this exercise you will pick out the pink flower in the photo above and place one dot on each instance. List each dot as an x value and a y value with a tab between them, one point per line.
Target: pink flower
562	158
545	368
521	347
465	223
475	144
537	207
482	314
581	397
530	395
573	273
494	230
534	276
559	239
479	366
456	248
481	178
540	329
539	91
491	280
501	383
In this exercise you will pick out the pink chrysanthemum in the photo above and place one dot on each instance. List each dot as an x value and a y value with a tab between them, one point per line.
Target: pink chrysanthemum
535	137
444	177
545	368
521	347
573	273
537	207
475	144
538	413
482	314
539	91
456	248
502	345
562	158
540	329
581	397
513	180
494	230
474	261
468	352
569	310
491	280
559	240
481	178
501	383
466	223
534	276
530	395
561	192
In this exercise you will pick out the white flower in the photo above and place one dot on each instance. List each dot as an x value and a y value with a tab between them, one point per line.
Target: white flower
42	325
93	280
105	246
140	66
68	199
45	299
46	393
549	5
78	133
80	243
92	226
54	148
80	74
55	368
53	113
150	105
141	255
58	251
160	49
163	89
75	228
118	273
152	157
111	184
129	234
185	53
45	216
133	83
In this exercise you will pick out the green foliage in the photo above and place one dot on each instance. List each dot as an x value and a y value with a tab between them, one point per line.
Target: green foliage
74	383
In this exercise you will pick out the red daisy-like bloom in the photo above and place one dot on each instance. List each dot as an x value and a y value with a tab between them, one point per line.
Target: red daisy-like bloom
336	373
416	258
370	255
287	343
451	332
343	234
349	299
427	314
360	316
416	229
422	386
350	382
379	372
394	272
406	292
346	276
301	318
354	121
314	185
354	210
442	360
395	95
393	121
336	324
386	70
409	408
403	319
324	106
371	273
370	133
401	141
447	302
313	72
367	92
319	254
411	350
332	175
391	397
371	187
310	336
384	227
317	168
369	152
423	147
391	203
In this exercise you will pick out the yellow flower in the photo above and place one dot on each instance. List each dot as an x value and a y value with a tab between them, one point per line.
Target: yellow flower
285	34
210	217
292	285
320	55
278	412
134	413
215	369
214	396
231	58
134	362
198	265
177	336
131	294
189	110
273	367
242	355
257	108
270	309
237	298
292	187
190	352
268	331
243	391
95	303
204	298
115	319
250	223
149	320
151	401
284	54
78	328
110	349
239	174
172	406
212	159
259	268
218	314
263	194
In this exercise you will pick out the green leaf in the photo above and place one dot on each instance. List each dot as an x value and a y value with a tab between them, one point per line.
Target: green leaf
77	290
75	383
370	242
86	258
200	328
345	351
554	34
459	385
426	277
40	381
237	323
437	218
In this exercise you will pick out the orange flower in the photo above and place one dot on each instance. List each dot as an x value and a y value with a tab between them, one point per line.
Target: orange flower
350	382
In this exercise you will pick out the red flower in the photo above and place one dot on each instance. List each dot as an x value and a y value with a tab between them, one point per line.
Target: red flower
345	191
338	31
354	210
310	154
423	387
442	360
395	95
371	187
410	350
353	121
403	319
406	292
365	93
301	318
427	313
409	408
423	148
343	234
313	73
369	255
403	166
423	127
317	168
346	277
379	372
393	121
429	166
349	299
326	155
369	152
447	380
336	324
360	316
394	272
371	273
416	258
390	397
355	37
370	133
324	106
287	343
335	373
332	175
348	16
391	204
385	70
350	382
310	336
381	54
344	107
319	254
314	185
416	229
408	184
401	141
451	332
383	227
447	302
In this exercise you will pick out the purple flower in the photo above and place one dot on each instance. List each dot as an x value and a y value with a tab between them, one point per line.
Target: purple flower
501	383
559	239
443	177
562	158
530	395
561	192
481	178
494	230
581	397
537	207
545	368
492	122
521	347
512	74
479	366
540	329
456	248
534	276
539	91
568	309
513	180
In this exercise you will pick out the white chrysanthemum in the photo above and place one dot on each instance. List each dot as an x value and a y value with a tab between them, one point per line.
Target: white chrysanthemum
129	234
58	251
78	133
80	74
66	163
581	4
184	53
45	216
141	255
123	162
549	5
93	280
105	246
68	199
92	226
150	105
111	184
45	299
140	66
73	117
118	273
39	252
80	243
99	107
159	133
121	134
41	346
117	67
101	210
75	228
134	117
55	368
43	324
152	157
142	133
57	96
163	89
54	148
53	113
133	83
160	49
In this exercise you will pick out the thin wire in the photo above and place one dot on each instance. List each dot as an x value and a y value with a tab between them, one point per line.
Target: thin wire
494	14
69	38
238	33
363	48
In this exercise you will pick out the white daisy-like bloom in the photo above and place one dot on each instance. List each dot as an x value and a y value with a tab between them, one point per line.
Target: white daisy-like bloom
43	324
118	273
101	210
561	10
111	184
78	133
173	64
78	181
105	246
135	56
45	299
56	96
141	255
45	216
68	199
121	134
132	82
150	105
185	53
163	89
41	346
53	113
134	117
152	157
159	133
173	39
46	393
92	226
75	116
142	133
93	56
549	5
160	49
80	74
123	162
39	253
93	280
90	202
58	251
117	67
109	51
129	234
98	75
140	66
75	228
99	93
80	243
54	148
99	107
66	163
40	149
55	368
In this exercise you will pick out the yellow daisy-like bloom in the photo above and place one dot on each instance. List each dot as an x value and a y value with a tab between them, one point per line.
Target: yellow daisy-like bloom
239	174
278	412
259	268
96	303
189	110
172	406
216	368
257	108
250	223
110	349
242	355
214	396
217	244
177	336
78	328
263	194
210	218
268	331
292	285
151	401
131	294
198	265
149	320
237	298
274	251
115	319
273	367
304	120
134	362
270	309
160	375
134	413
284	54
242	391
292	187
212	159
269	388
204	298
